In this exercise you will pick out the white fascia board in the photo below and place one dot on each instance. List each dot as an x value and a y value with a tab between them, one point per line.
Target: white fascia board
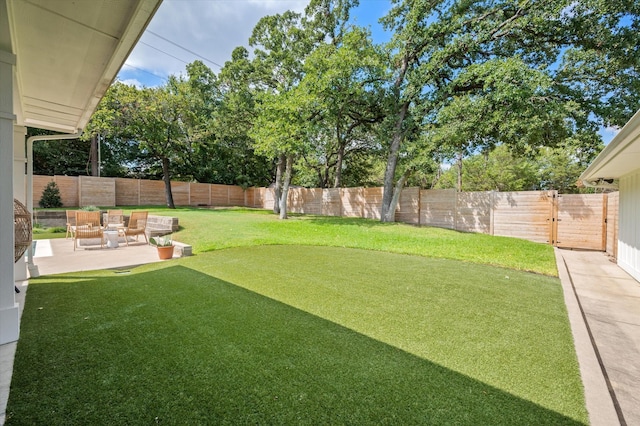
609	163
138	23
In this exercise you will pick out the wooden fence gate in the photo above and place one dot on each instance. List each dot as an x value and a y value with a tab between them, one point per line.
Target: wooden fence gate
579	221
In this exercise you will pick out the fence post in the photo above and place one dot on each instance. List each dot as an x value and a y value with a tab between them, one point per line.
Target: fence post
554	218
79	191
419	206
492	206
455	211
605	212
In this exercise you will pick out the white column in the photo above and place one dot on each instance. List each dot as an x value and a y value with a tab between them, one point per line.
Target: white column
9	316
19	186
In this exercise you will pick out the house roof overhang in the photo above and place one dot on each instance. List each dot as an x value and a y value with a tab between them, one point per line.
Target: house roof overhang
620	158
68	53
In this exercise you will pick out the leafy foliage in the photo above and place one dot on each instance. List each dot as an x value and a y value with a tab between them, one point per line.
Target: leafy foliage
477	74
502	169
318	103
50	196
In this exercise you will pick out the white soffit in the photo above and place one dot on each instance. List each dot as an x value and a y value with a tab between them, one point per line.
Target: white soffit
68	52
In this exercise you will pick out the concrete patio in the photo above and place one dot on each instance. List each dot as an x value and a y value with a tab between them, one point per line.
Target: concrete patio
57	256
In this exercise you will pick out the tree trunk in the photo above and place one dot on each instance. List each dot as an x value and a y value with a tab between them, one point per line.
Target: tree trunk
278	185
285	187
392	162
436	177
459	167
391	213
94	155
167	183
338	180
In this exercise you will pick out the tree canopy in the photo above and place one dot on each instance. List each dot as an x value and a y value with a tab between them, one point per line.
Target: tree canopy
510	93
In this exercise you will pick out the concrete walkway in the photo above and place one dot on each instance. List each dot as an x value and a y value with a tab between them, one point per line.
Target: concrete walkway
603	303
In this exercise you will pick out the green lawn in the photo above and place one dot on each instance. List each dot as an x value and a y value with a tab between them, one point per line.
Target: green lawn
49	233
265	332
208	230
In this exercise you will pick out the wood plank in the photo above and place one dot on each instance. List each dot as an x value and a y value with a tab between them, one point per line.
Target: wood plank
352	200
236	196
95	191
127	192
438	208
409	206
180	193
68	186
198	194
39	185
581	221
613	200
331	203
372	203
152	193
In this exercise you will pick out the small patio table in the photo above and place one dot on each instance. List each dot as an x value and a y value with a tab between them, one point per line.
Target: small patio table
112	238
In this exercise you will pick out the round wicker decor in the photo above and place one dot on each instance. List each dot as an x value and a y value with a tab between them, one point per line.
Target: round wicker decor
22	227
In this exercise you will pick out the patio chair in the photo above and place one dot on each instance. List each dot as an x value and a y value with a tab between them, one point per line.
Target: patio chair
71	223
87	227
115	220
137	226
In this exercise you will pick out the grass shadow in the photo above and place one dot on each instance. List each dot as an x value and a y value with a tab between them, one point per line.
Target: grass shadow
346	221
176	346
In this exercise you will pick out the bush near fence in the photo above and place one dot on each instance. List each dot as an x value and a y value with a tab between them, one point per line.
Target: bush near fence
563	220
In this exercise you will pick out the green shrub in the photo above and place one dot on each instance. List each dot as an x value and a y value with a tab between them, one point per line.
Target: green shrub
90	209
53	230
50	196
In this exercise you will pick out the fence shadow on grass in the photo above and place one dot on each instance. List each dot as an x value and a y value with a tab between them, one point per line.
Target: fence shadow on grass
177	346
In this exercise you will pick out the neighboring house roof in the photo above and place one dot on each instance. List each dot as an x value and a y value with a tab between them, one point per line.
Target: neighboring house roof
68	53
621	157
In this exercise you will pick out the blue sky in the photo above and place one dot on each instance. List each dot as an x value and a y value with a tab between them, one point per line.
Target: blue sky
185	30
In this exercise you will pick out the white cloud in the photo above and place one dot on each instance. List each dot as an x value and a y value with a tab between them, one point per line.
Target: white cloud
211	29
608	133
132	82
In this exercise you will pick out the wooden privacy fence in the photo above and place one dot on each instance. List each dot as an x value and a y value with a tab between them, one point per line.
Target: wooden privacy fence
583	221
80	191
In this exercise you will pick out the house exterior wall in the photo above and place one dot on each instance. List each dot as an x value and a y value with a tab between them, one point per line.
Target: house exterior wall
9	313
19	187
629	224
